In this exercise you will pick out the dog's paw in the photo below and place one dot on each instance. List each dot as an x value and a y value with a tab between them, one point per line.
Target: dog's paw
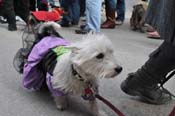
61	103
62	107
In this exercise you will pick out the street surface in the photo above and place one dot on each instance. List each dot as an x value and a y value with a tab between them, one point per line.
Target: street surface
132	50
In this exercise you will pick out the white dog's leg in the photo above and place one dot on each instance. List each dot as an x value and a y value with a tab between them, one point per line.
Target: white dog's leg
94	109
61	102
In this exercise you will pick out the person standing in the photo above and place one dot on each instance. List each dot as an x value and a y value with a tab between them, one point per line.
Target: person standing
93	17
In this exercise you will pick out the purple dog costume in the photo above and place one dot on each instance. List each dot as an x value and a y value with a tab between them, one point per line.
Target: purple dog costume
33	76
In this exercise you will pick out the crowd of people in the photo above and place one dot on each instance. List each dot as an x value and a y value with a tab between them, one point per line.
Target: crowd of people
160	15
76	8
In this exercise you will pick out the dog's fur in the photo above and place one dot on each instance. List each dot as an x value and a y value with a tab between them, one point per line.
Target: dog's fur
137	19
93	58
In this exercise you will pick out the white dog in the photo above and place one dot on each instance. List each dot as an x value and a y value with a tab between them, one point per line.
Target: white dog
77	70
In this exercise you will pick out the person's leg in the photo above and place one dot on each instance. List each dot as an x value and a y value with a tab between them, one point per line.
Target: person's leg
66	20
144	82
74	10
42	5
120	8
38	4
32	5
22	9
110	14
93	17
82	7
9	13
93	12
52	3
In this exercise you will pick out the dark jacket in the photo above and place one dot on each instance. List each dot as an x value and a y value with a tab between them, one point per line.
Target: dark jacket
7	6
161	15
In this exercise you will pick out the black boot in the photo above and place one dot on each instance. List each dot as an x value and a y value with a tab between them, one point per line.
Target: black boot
11	21
145	81
153	94
12	27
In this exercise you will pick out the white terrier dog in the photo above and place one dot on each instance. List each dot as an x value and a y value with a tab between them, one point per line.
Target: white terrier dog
77	70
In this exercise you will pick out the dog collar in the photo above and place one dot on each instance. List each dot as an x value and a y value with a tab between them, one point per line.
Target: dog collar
89	93
76	74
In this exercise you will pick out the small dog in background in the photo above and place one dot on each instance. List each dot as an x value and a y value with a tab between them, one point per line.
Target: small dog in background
138	14
70	68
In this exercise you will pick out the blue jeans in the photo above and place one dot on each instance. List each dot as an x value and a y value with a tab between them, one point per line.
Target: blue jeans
73	9
110	4
93	15
120	8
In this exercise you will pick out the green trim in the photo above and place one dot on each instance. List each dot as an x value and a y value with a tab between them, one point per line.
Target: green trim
60	50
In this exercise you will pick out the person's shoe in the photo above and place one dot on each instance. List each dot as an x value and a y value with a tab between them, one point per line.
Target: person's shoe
118	22
12	27
65	24
149	94
82	26
109	24
82	31
154	35
149	28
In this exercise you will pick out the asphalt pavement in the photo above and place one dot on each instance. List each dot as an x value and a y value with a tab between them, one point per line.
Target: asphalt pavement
132	50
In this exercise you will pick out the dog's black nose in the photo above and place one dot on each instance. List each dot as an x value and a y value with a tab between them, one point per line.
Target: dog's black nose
118	69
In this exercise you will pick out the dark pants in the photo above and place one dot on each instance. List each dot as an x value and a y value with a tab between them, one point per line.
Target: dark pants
7	10
82	7
73	9
162	60
32	5
22	9
42	6
160	63
120	8
10	9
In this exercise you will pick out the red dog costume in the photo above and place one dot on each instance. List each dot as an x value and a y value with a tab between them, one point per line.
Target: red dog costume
54	15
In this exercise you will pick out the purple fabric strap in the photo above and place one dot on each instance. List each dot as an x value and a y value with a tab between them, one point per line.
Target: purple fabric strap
33	76
55	92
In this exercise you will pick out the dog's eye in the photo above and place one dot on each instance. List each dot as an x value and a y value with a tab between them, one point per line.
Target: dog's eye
100	56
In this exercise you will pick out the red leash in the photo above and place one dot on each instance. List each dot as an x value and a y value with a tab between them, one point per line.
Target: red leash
117	111
172	112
